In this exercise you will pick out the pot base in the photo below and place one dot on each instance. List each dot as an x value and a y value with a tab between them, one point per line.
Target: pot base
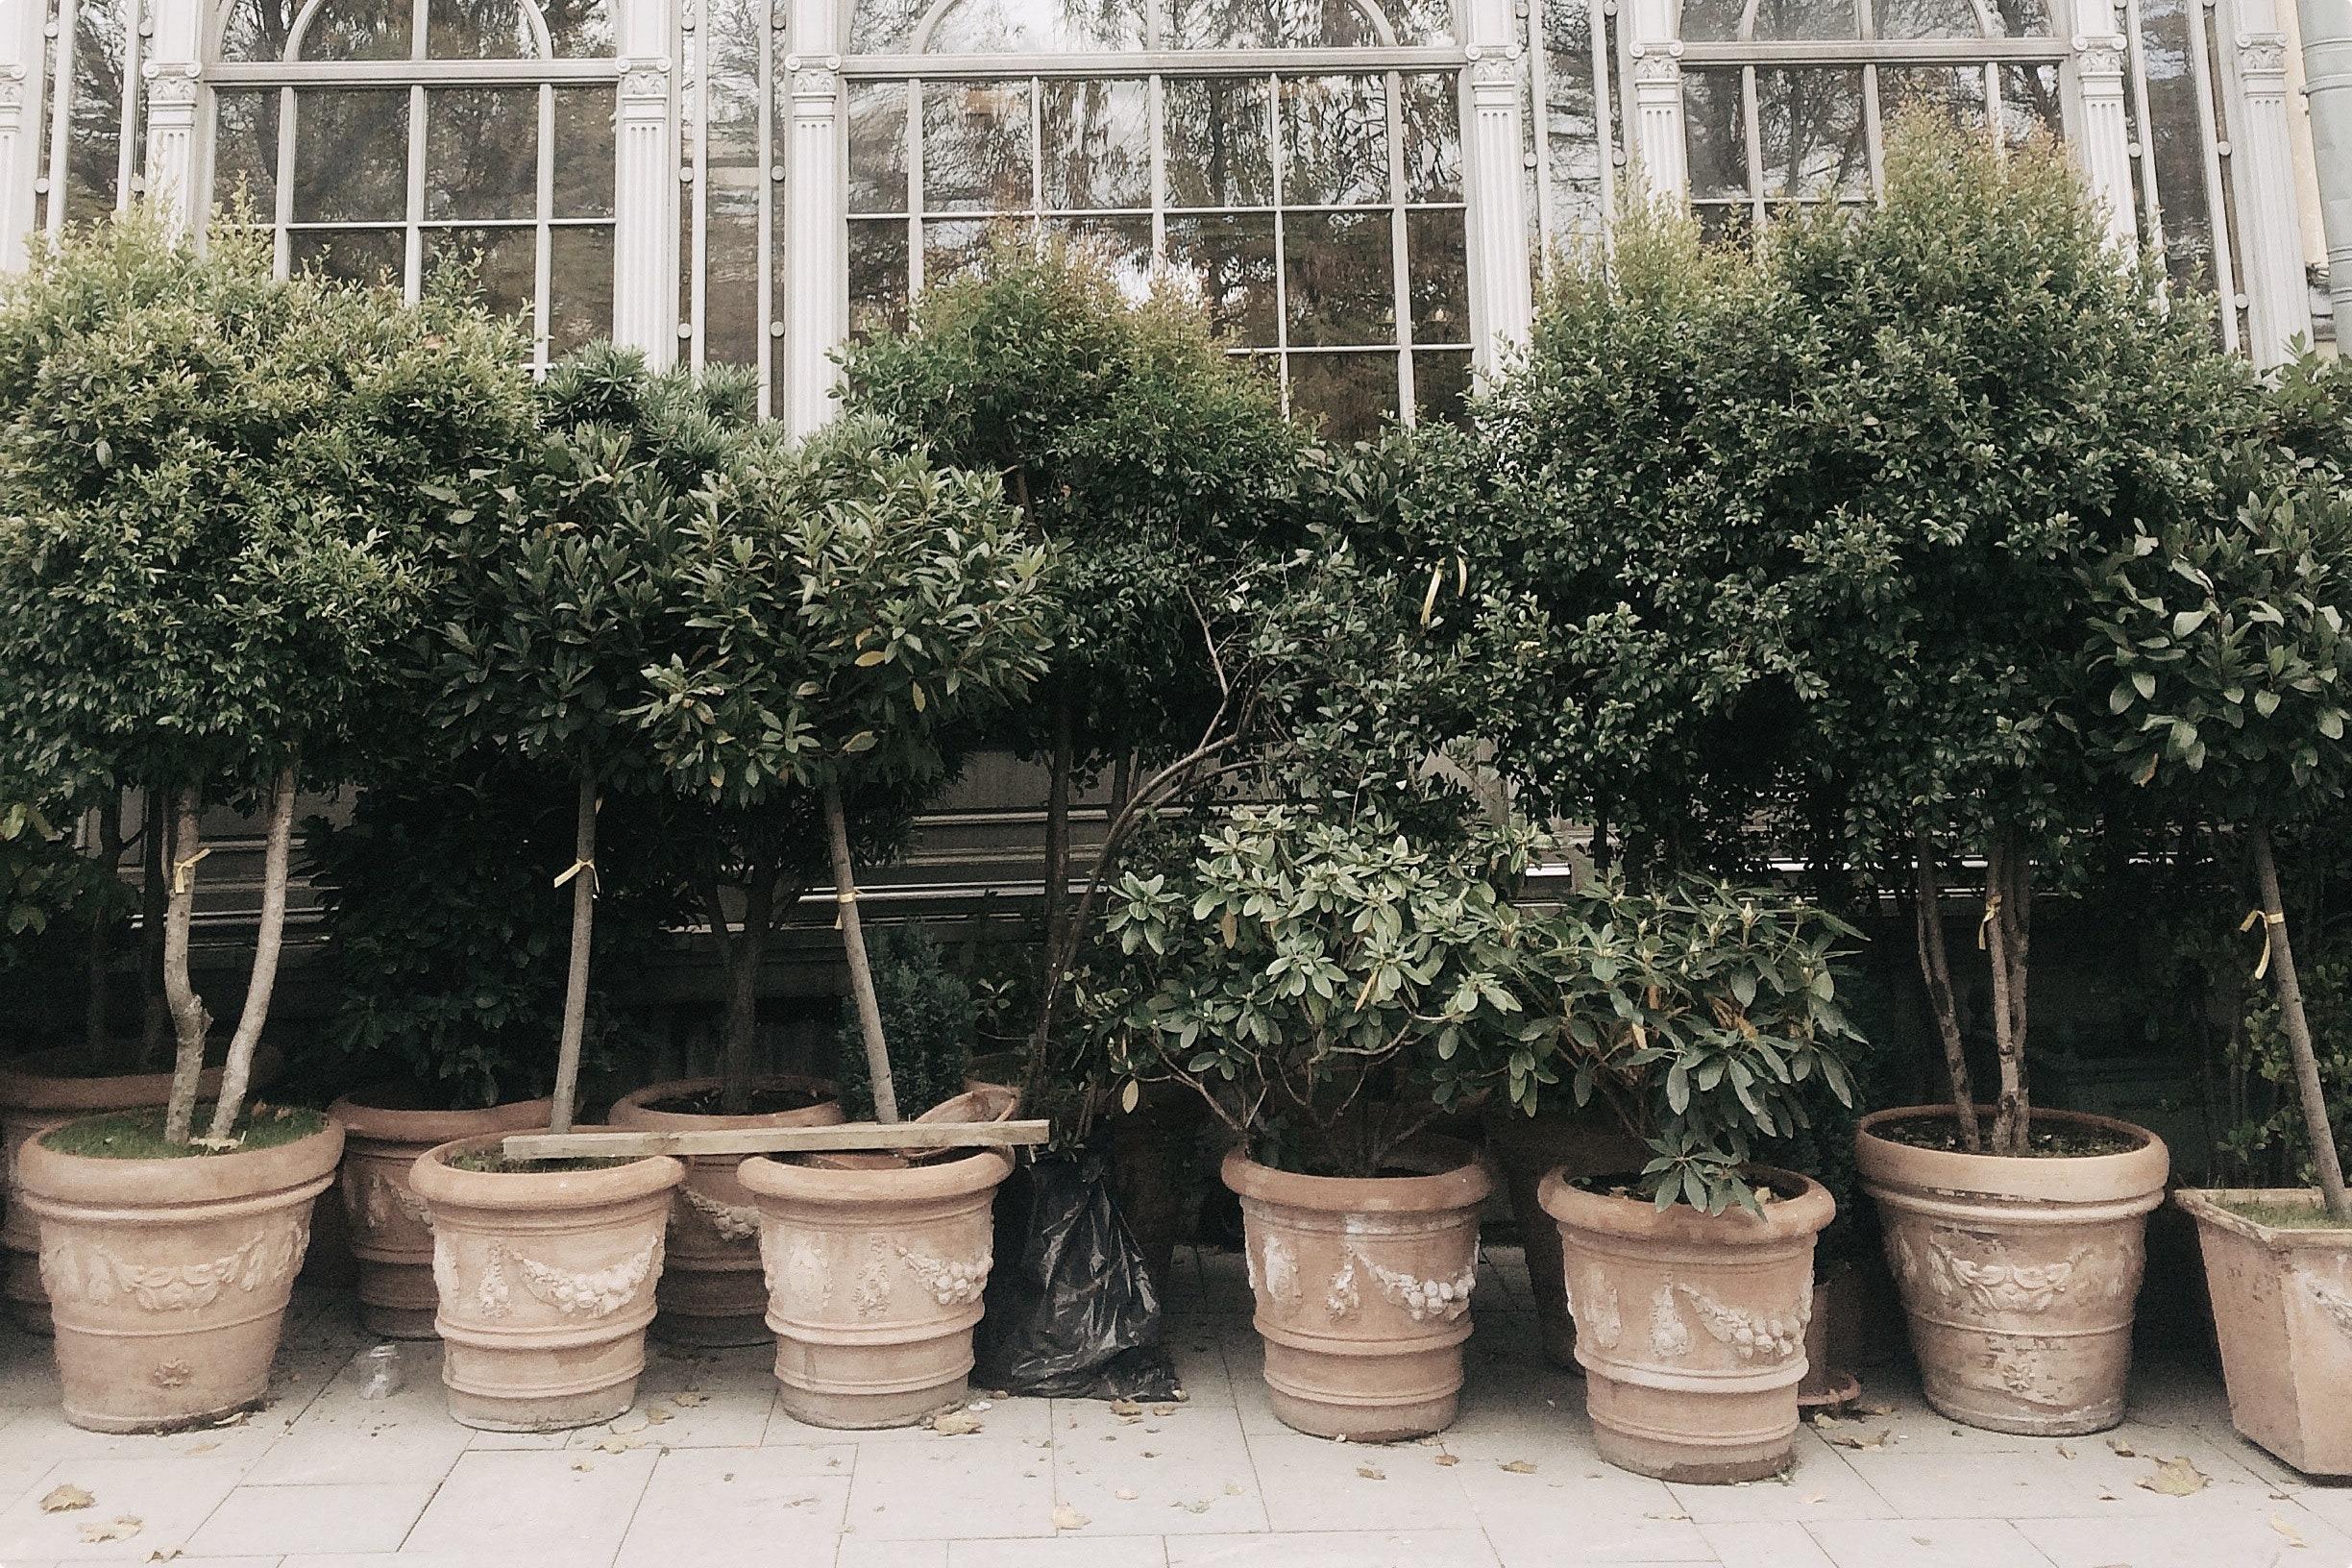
1317	1418
869	1413
2022	1420
559	1412
100	1421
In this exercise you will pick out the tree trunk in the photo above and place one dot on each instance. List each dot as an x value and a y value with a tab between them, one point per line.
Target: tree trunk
2011	1117
190	1022
154	909
237	1072
1935	968
1057	822
743	956
2290	989
861	973
583	878
96	1026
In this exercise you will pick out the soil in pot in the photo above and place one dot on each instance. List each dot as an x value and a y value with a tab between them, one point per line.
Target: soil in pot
712	1292
167	1268
1580	1142
2279	1273
545	1276
1691	1327
388	1126
2017	1274
1362	1288
874	1268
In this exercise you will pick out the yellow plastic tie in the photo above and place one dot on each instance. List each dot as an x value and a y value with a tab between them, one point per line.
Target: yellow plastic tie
1991	908
182	870
574	869
841	900
2262	966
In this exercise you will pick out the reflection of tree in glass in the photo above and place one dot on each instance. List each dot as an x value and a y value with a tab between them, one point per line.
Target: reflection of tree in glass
351	156
357	30
2176	138
1814	148
94	147
976	146
989	27
1335	139
2029	99
477	30
1809	18
1217	153
1096	144
481	152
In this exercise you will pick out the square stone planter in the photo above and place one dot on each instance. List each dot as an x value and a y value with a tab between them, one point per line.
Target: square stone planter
2282	1302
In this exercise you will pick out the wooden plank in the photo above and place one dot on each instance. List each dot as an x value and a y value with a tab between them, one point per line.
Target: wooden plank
847	1135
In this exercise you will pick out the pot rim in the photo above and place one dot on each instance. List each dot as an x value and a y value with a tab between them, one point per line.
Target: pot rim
769	1177
1463	1183
48	1175
2206	1206
2073	1179
364	1119
635	1108
24	1086
1805	1214
436	1180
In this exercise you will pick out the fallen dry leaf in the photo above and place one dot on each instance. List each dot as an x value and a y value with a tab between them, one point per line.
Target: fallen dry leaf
1163	1410
1371	1472
2063	1452
656	1415
1232	1489
116	1529
1065	1517
1199	1507
200	1447
1883	1437
2286	1532
165	1554
1125	1494
1449	1461
689	1398
1817	1497
1873	1409
2175	1476
66	1498
581	1464
1519	1467
955	1423
1669	1518
1125	1407
629	1423
619	1445
2122	1449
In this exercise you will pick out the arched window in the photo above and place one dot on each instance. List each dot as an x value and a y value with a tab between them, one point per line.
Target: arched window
382	138
1296	163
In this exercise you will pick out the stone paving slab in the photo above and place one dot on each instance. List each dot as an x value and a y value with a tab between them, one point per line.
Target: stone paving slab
709	1472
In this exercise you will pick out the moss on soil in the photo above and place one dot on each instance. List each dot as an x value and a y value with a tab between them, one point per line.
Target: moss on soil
2043	1140
492	1162
2285	1217
139	1135
767	1100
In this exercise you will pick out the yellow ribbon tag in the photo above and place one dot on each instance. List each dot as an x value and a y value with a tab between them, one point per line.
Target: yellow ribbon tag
2262	966
1429	600
182	870
574	869
839	900
1992	908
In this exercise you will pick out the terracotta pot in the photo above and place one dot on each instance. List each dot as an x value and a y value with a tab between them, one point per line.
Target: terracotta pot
546	1281
2017	1274
1582	1143
2282	1301
388	1226
711	1290
1833	1341
1691	1327
1364	1289
38	1092
875	1269
168	1279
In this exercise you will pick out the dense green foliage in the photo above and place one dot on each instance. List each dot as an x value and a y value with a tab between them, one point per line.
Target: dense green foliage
930	1017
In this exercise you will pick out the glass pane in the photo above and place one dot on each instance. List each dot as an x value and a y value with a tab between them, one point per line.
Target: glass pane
1335	139
954	247
1420	21
1227	264
1216	152
1124	246
93	130
477	30
358	30
877	275
1716	134
976	147
1340	275
481	152
2176	139
579	29
2029	103
579	286
350	155
1437	276
1268	24
1958	90
504	262
732	34
877	147
1811	125
364	255
2026	18
1712	21
1441	386
731	269
1927	19
1431	110
878	27
987	27
1348	397
1571	118
1804	19
257	29
245	150
1097	144
584	152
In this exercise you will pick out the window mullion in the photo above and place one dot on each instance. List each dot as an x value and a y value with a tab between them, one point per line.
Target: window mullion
287	98
413	263
1277	154
1400	282
126	148
916	111
60	112
543	264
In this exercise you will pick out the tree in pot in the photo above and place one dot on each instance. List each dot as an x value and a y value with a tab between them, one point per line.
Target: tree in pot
2222	665
213	483
848	605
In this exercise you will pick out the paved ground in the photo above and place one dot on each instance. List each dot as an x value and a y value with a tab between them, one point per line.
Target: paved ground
707	1473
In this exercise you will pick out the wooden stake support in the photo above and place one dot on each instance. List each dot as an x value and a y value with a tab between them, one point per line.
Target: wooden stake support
843	1136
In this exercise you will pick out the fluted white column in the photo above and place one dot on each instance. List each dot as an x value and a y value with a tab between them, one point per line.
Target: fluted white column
2263	183
20	118
1497	150
815	247
646	184
1655	129
2327	77
2101	139
176	110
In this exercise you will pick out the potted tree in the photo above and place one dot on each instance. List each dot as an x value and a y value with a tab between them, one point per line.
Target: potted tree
846	604
1698	1016
212	482
2219	666
564	587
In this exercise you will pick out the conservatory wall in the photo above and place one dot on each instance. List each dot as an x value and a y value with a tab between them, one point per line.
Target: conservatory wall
1362	193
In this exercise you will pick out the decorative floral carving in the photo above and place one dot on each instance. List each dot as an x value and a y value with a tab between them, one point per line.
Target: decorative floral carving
2099	54
1658	62
2261	54
170	86
491	1297
645	79
375	1197
173	1374
76	1267
1596	1313
872	1291
1751	1333
1999	1286
1281	1276
1343	1298
596	1292
445	1270
1669	1335
952	1282
1445	1300
729	1221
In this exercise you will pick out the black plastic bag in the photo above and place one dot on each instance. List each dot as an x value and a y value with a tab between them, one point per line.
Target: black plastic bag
1071	1311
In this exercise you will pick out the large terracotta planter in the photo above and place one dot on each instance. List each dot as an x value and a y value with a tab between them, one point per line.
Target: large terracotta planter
389	1232
2017	1274
1691	1326
1580	1142
1363	1290
38	1092
712	1292
546	1281
2282	1302
168	1279
875	1269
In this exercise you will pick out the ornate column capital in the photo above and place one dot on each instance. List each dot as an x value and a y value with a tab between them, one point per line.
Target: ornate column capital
2262	55
643	79
1659	60
2100	55
170	84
